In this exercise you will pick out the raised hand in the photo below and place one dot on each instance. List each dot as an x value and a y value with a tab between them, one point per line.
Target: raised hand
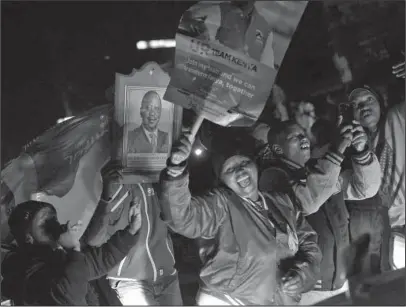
70	238
345	136
112	176
292	283
181	150
305	115
360	138
180	153
399	69
134	216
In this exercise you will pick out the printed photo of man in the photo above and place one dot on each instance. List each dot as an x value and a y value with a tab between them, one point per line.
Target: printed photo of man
147	138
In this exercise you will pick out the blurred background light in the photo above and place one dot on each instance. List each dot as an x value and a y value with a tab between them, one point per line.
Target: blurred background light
61	120
156	44
198	152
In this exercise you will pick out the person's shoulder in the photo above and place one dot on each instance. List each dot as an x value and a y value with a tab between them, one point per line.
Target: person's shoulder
135	131
163	133
396	111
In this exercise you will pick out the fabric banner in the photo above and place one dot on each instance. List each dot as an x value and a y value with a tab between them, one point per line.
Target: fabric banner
227	57
61	166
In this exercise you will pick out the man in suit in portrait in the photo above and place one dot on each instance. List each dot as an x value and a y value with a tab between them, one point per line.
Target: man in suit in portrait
147	138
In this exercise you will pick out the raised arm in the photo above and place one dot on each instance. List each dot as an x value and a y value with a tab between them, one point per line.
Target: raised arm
192	217
364	179
311	191
100	260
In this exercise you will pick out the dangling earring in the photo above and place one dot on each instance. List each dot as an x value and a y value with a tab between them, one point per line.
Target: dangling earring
277	150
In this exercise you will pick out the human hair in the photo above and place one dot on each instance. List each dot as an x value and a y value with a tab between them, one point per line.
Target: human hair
147	97
22	216
277	134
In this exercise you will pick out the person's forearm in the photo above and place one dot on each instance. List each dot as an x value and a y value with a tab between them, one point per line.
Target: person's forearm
104	258
320	183
95	233
365	178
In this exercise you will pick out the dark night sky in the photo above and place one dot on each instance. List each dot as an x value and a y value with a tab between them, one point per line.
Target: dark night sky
49	46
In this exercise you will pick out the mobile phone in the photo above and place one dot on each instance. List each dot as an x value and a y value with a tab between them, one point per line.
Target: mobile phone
346	110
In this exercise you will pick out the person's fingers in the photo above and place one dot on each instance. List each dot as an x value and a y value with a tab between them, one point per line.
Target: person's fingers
69	225
339	120
137	201
357	129
348	135
398	70
399	65
186	142
355	122
182	150
178	157
345	129
295	280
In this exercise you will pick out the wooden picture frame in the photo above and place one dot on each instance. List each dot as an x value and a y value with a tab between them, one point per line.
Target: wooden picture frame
147	131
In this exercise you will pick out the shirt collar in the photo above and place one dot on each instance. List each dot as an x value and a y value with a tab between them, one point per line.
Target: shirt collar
148	133
291	164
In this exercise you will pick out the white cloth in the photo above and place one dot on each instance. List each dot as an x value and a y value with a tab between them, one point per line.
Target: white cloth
314	297
130	293
394	134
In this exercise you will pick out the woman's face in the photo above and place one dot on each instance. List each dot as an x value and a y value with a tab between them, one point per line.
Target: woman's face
43	226
240	174
366	109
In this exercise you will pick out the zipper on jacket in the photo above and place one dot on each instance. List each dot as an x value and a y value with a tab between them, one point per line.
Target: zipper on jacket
148	233
169	249
173	257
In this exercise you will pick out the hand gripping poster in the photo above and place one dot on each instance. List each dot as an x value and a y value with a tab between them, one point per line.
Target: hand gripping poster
228	55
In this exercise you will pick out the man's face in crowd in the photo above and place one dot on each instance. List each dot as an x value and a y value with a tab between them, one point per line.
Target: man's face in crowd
366	109
295	145
43	225
240	174
151	108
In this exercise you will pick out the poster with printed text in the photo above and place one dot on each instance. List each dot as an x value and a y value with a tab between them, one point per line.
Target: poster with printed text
228	55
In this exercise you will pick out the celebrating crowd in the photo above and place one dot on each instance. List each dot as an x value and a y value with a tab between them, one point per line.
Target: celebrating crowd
280	220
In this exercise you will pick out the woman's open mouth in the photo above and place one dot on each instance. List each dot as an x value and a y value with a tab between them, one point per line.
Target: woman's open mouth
305	146
244	181
366	113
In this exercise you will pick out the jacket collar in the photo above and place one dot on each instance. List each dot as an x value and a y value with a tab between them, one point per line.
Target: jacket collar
298	172
289	163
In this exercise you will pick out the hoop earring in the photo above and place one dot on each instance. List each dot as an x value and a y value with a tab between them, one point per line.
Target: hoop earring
277	150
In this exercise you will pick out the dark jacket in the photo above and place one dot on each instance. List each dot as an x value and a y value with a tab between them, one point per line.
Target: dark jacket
252	253
38	275
139	143
329	216
152	257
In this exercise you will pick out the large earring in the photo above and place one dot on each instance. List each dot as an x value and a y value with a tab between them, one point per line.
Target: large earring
277	150
28	239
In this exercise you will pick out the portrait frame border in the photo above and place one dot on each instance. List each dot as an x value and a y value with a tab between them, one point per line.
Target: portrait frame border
150	75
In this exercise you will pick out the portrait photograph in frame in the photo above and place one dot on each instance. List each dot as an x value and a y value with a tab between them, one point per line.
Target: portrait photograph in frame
149	124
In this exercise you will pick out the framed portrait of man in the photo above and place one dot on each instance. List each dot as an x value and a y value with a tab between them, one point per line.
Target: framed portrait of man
148	123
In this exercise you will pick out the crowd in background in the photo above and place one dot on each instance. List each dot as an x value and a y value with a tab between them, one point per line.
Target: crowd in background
275	230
